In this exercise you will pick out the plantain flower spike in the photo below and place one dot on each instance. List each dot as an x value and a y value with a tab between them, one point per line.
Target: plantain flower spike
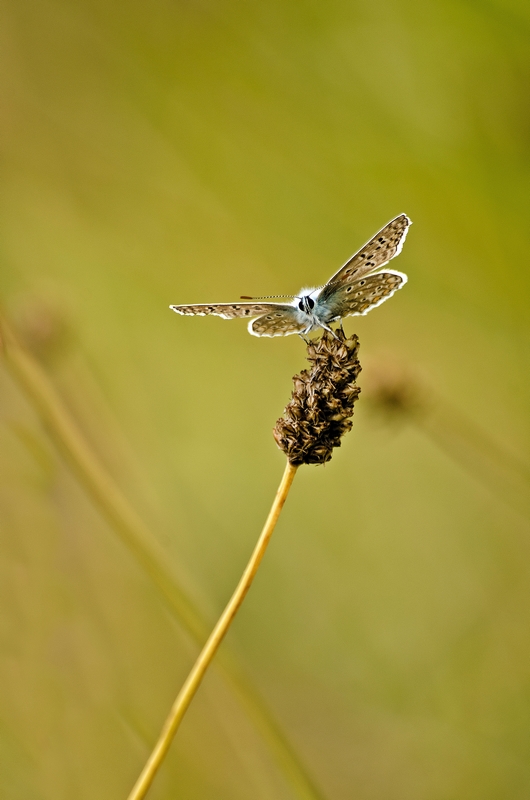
321	405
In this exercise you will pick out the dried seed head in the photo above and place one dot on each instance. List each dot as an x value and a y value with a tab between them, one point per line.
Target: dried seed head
318	413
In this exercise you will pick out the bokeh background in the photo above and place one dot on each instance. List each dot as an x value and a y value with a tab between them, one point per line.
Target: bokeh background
173	152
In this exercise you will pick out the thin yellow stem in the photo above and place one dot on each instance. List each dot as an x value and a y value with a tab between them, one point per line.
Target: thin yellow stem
198	670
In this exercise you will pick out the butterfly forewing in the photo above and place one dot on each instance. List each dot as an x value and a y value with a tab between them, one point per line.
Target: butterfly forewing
362	295
376	253
229	310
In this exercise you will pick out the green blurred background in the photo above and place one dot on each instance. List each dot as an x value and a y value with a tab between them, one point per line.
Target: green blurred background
176	152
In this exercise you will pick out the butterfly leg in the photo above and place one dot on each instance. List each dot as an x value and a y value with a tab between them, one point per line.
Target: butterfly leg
327	328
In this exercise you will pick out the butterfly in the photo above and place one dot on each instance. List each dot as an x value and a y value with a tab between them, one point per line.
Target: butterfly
355	289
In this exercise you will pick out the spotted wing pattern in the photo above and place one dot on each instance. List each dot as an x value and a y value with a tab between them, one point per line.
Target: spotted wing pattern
228	310
376	253
283	321
361	296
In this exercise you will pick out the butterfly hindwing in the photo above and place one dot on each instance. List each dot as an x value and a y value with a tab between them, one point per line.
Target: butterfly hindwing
283	321
362	295
376	253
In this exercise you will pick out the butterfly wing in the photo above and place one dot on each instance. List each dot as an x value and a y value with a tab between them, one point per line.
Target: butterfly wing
274	319
360	296
228	310
384	246
282	321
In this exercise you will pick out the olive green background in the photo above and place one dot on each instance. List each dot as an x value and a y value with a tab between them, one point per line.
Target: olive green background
173	152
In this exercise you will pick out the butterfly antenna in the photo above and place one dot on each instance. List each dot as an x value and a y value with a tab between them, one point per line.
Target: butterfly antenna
268	297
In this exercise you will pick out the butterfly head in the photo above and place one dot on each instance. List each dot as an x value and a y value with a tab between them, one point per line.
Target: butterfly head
306	299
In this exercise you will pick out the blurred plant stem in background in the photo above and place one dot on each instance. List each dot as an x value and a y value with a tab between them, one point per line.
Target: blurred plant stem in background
140	541
399	395
209	650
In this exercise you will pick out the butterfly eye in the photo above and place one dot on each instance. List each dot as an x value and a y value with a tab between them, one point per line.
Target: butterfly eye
310	302
301	305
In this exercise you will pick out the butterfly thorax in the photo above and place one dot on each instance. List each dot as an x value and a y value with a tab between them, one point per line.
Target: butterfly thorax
307	301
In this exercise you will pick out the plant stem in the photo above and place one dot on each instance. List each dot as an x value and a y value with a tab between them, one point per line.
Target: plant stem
106	495
202	663
478	453
140	541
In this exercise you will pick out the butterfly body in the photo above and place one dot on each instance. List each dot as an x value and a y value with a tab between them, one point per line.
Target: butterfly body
355	289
